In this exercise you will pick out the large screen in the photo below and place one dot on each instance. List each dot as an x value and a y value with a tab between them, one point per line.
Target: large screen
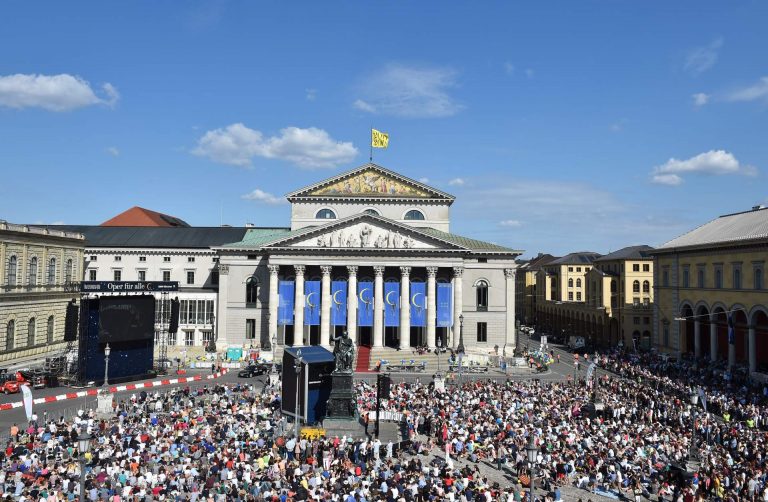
126	318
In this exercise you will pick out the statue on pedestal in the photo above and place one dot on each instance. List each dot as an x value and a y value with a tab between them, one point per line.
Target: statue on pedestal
344	353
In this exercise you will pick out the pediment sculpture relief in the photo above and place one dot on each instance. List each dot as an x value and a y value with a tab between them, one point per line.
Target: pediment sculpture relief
366	236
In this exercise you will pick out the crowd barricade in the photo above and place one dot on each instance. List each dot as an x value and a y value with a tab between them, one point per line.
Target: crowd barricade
387	416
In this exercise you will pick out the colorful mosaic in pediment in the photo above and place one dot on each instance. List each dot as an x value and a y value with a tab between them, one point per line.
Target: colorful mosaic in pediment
371	183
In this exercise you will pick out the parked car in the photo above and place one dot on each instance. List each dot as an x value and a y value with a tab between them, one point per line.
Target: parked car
256	369
10	383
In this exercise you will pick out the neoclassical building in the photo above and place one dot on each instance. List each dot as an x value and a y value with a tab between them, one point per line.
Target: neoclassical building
368	251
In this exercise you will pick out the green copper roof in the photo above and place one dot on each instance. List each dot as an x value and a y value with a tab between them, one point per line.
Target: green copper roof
256	237
465	242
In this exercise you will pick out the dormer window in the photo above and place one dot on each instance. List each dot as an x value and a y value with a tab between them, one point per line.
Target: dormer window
325	214
414	214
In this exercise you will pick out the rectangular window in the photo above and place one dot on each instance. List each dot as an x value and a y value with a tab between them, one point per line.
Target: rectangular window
250	329
171	338
757	281
118	275
189	338
207	337
646	302
183	307
215	277
578	296
700	277
570	296
200	311
190	259
208	311
93	258
736	276
665	277
570	269
157	338
190	277
91	275
118	258
636	301
578	269
253	257
646	267
636	321
142	258
166	259
192	311
166	275
635	267
482	332
686	277
142	275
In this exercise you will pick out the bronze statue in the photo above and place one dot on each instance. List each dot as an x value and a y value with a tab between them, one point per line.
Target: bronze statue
344	353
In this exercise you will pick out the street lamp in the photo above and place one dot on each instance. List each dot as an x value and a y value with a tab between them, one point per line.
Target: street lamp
461	359
532	453
439	345
297	366
273	370
107	351
460	348
83	445
693	455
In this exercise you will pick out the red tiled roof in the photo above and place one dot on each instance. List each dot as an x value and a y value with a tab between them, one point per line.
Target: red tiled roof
140	217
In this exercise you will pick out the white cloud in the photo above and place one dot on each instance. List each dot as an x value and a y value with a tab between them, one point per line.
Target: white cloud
263	197
311	94
700	99
308	148
701	59
756	92
457	182
113	151
409	91
509	68
713	162
510	223
56	93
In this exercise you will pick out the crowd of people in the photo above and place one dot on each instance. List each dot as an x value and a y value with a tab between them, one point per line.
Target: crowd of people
230	442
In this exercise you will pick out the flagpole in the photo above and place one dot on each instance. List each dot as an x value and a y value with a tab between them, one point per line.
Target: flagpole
370	142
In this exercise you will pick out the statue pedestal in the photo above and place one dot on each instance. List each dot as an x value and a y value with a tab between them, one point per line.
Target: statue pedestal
341	402
274	378
439	382
104	402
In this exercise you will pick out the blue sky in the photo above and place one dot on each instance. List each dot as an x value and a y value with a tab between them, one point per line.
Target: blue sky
559	126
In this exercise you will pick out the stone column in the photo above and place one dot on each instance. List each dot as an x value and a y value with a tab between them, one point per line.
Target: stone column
274	300
378	307
511	336
752	345
405	307
431	306
712	340
696	338
221	307
457	303
732	351
325	306
298	307
352	302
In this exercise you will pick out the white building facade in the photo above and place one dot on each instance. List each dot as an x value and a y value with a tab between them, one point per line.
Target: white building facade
368	251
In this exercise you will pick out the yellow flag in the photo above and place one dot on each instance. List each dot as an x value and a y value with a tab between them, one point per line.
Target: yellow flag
379	139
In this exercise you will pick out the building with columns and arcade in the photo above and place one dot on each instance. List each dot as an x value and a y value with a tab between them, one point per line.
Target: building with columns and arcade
370	252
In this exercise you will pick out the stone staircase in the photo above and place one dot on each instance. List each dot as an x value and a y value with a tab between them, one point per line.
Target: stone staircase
394	356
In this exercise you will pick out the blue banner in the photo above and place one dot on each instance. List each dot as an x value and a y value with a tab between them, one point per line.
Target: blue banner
444	303
286	296
391	304
312	303
339	303
418	304
365	304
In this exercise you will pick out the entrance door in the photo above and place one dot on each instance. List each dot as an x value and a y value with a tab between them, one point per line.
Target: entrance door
365	335
314	334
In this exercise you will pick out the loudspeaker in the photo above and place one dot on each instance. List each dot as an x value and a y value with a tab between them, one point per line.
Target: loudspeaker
173	324
384	383
71	322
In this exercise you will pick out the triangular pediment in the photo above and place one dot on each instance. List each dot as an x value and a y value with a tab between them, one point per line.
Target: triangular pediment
363	232
370	181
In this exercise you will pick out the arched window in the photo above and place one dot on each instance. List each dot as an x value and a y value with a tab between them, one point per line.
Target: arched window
12	264
758	278
31	332
578	283
372	211
636	287
482	295
646	287
570	283
251	290
49	330
325	214
414	214
10	335
32	277
68	271
52	271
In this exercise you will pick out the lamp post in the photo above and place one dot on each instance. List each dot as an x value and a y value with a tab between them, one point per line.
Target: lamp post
83	445
460	348
461	367
437	351
504	357
107	351
298	364
532	453
693	454
273	371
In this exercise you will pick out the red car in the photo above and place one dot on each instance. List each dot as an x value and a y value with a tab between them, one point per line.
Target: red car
10	384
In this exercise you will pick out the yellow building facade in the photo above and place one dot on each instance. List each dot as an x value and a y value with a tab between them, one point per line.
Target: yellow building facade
712	301
526	288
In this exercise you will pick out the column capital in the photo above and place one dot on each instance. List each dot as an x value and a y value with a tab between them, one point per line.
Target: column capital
273	269
458	271
378	270
326	269
352	270
299	269
431	272
510	273
223	269
405	271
